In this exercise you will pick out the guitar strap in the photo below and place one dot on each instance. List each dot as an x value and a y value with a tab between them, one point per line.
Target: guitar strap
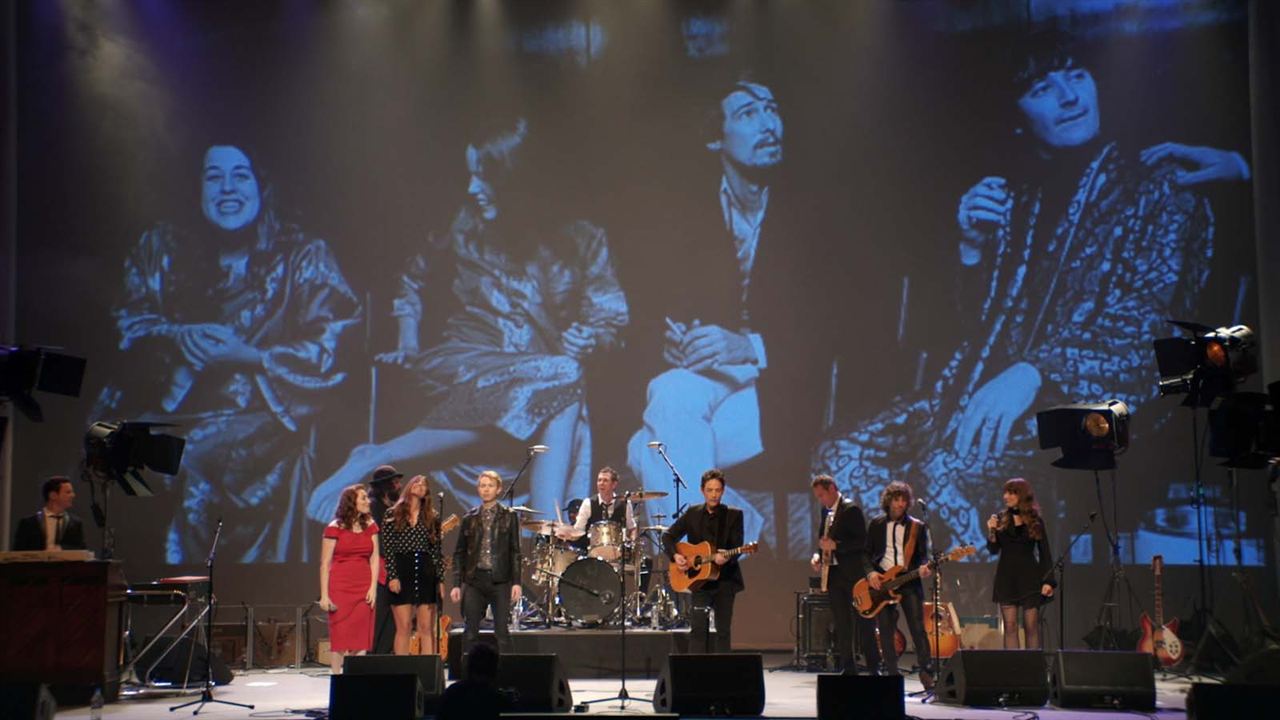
909	550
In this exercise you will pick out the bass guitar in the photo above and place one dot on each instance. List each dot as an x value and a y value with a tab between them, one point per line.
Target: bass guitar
1160	639
869	602
702	567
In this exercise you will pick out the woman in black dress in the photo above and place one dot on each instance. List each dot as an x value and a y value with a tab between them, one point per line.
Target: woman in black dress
1023	580
415	565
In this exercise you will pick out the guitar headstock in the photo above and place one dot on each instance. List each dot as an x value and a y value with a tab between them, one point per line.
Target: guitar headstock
962	551
749	548
1157	564
450	523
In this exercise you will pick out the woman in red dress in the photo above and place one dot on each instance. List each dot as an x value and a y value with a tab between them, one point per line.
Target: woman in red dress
349	564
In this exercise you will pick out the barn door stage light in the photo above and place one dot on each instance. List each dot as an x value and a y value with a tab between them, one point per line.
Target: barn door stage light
120	451
1207	364
1090	434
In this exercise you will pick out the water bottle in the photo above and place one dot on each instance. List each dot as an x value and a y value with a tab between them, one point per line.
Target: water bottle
95	705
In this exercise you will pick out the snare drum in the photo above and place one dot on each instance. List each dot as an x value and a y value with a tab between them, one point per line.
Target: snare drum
605	540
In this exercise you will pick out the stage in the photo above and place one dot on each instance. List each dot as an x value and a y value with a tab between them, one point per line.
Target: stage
788	694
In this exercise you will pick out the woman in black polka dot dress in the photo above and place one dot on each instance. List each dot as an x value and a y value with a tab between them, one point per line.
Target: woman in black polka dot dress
415	565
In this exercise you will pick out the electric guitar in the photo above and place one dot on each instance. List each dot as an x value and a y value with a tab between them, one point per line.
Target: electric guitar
869	602
826	557
702	568
1160	639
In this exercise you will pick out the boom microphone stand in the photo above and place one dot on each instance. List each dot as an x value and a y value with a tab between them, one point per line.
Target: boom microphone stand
1059	567
528	458
622	697
206	696
676	481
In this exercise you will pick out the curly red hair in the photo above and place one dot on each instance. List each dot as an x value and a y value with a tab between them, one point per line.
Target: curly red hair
347	515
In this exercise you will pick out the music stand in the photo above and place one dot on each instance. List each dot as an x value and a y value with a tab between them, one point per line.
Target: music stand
206	695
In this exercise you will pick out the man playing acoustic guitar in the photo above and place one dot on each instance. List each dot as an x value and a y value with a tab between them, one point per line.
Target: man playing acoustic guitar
721	526
896	539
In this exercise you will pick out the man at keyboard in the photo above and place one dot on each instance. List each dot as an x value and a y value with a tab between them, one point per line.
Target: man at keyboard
53	528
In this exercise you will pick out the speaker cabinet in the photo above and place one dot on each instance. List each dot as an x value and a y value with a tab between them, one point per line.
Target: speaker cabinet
867	697
1213	701
428	669
714	684
536	682
1104	679
815	641
27	701
387	697
994	678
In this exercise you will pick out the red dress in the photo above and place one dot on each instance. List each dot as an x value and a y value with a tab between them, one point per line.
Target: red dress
351	625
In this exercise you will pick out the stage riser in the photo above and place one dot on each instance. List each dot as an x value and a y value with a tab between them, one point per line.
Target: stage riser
589	654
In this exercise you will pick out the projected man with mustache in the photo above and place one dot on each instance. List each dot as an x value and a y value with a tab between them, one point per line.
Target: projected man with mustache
730	324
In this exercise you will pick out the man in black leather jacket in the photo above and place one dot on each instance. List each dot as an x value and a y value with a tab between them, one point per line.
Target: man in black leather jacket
486	563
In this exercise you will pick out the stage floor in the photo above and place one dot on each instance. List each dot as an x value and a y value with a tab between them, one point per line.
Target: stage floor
789	694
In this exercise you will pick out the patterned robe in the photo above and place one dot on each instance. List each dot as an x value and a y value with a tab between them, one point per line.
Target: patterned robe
1080	297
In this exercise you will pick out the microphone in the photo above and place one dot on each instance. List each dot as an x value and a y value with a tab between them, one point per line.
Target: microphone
1093	515
655	444
537	449
922	503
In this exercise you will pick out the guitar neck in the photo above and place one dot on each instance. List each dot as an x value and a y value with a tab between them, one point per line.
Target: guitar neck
907	577
1159	602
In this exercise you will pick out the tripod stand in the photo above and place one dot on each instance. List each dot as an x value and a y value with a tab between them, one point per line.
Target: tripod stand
1059	567
622	697
206	696
1104	621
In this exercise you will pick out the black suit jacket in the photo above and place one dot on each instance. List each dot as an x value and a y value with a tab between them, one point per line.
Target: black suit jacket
30	533
849	530
877	545
692	526
506	547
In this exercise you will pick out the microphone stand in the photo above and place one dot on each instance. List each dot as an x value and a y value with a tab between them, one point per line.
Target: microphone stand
1059	566
528	458
622	697
935	659
676	481
206	696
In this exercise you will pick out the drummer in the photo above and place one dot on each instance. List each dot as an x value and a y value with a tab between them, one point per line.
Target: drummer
604	506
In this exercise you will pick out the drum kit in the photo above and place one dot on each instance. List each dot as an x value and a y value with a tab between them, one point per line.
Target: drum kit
596	576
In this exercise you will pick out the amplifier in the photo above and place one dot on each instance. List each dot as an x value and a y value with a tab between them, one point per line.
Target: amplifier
815	631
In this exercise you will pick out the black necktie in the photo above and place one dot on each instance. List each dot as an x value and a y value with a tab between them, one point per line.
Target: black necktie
59	521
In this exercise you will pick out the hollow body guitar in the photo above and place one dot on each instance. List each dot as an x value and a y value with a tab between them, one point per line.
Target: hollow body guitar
869	601
702	568
444	621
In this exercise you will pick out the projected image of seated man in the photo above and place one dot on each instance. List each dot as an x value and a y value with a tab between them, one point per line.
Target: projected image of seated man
231	324
1076	254
735	339
532	295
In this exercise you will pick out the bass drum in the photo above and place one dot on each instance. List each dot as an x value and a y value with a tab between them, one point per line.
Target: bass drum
589	591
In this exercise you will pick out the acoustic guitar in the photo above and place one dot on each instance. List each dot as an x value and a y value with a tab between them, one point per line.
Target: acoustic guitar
945	643
702	568
1160	639
869	602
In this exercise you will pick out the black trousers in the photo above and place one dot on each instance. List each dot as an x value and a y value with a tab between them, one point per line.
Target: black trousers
384	625
849	624
715	597
912	605
477	596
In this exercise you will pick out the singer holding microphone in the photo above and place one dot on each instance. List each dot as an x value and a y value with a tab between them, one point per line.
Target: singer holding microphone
1017	534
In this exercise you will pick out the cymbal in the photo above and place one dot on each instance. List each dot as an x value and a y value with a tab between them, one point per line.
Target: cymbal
537	525
642	495
524	509
658	528
658	516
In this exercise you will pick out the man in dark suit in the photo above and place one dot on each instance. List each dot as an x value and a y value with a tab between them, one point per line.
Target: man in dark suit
891	538
720	525
842	532
53	528
384	490
487	563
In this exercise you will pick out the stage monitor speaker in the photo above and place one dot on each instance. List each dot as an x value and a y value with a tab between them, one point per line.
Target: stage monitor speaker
816	640
1104	679
715	684
386	697
27	701
1260	668
994	678
428	668
536	682
868	697
1214	701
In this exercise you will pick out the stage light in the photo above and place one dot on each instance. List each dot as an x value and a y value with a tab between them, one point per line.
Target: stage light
1090	434
1206	365
120	451
26	370
1244	428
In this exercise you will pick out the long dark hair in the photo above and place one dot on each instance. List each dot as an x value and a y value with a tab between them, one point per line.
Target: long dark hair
400	511
1028	508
